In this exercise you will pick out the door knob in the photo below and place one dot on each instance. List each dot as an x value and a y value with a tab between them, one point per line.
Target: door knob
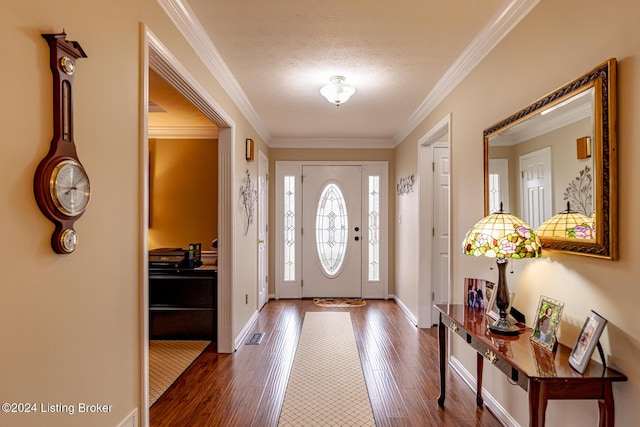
357	228
357	238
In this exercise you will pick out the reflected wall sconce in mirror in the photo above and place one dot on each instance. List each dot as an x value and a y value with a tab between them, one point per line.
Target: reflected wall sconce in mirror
583	147
502	236
249	149
531	155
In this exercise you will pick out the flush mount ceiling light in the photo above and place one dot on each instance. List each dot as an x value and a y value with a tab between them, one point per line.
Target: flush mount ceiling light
337	92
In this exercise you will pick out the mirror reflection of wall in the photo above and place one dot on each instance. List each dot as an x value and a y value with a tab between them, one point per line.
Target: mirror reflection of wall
560	150
535	166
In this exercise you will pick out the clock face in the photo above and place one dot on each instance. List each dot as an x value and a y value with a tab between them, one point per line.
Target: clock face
70	188
68	240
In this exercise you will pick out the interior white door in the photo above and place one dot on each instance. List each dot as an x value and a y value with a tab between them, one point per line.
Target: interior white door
440	226
535	173
263	229
332	231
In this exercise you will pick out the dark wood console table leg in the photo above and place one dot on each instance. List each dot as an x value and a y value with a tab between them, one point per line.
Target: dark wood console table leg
537	403
442	353
479	366
606	407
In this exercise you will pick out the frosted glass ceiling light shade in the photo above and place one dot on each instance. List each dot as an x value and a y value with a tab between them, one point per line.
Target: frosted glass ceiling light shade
337	92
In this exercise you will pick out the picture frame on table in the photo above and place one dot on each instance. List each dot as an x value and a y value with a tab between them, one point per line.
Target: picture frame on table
477	292
587	341
547	321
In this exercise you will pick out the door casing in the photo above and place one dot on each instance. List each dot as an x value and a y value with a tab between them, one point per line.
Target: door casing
292	288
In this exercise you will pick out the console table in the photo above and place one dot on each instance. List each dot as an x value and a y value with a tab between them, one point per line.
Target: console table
544	375
183	303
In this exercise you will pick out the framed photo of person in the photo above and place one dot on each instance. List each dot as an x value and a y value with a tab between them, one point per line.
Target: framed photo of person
547	321
587	341
476	291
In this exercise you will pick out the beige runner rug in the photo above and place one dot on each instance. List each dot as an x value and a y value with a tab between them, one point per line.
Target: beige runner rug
167	361
326	385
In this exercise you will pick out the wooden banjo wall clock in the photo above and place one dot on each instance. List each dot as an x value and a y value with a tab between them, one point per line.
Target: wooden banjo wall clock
61	184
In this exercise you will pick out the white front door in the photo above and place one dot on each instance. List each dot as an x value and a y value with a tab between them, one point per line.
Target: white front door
332	231
535	172
263	229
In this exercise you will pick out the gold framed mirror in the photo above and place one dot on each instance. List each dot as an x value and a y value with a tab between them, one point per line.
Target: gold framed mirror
553	164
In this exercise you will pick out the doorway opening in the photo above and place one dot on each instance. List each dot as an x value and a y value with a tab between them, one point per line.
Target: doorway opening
434	273
158	58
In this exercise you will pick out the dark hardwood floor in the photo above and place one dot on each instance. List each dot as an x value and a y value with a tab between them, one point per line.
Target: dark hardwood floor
400	364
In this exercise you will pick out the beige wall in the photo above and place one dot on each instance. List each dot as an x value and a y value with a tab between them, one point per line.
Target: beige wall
183	192
406	221
288	154
557	42
72	322
73	329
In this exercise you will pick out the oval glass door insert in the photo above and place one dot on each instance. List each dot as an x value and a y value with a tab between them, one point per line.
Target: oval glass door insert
331	229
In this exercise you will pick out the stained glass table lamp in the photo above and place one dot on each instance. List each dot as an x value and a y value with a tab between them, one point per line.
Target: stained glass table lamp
502	236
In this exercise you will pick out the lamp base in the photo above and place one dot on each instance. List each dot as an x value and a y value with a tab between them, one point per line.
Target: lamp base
503	327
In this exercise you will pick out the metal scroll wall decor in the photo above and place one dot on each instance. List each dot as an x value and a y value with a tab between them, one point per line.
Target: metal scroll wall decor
579	192
249	197
406	185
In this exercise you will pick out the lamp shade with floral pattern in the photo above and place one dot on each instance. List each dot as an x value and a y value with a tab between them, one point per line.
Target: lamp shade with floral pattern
502	235
568	224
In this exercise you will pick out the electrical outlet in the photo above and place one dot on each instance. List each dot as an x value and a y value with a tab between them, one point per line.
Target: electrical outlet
246	298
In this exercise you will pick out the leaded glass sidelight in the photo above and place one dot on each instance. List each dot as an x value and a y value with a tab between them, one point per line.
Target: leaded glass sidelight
374	228
331	229
289	228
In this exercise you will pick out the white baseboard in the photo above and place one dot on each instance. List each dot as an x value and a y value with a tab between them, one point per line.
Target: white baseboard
245	331
489	402
412	317
131	420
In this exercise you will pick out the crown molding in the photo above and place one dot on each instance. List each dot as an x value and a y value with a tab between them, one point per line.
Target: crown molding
504	21
332	143
183	132
167	65
187	23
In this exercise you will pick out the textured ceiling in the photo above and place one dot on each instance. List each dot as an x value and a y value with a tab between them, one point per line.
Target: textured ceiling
282	52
